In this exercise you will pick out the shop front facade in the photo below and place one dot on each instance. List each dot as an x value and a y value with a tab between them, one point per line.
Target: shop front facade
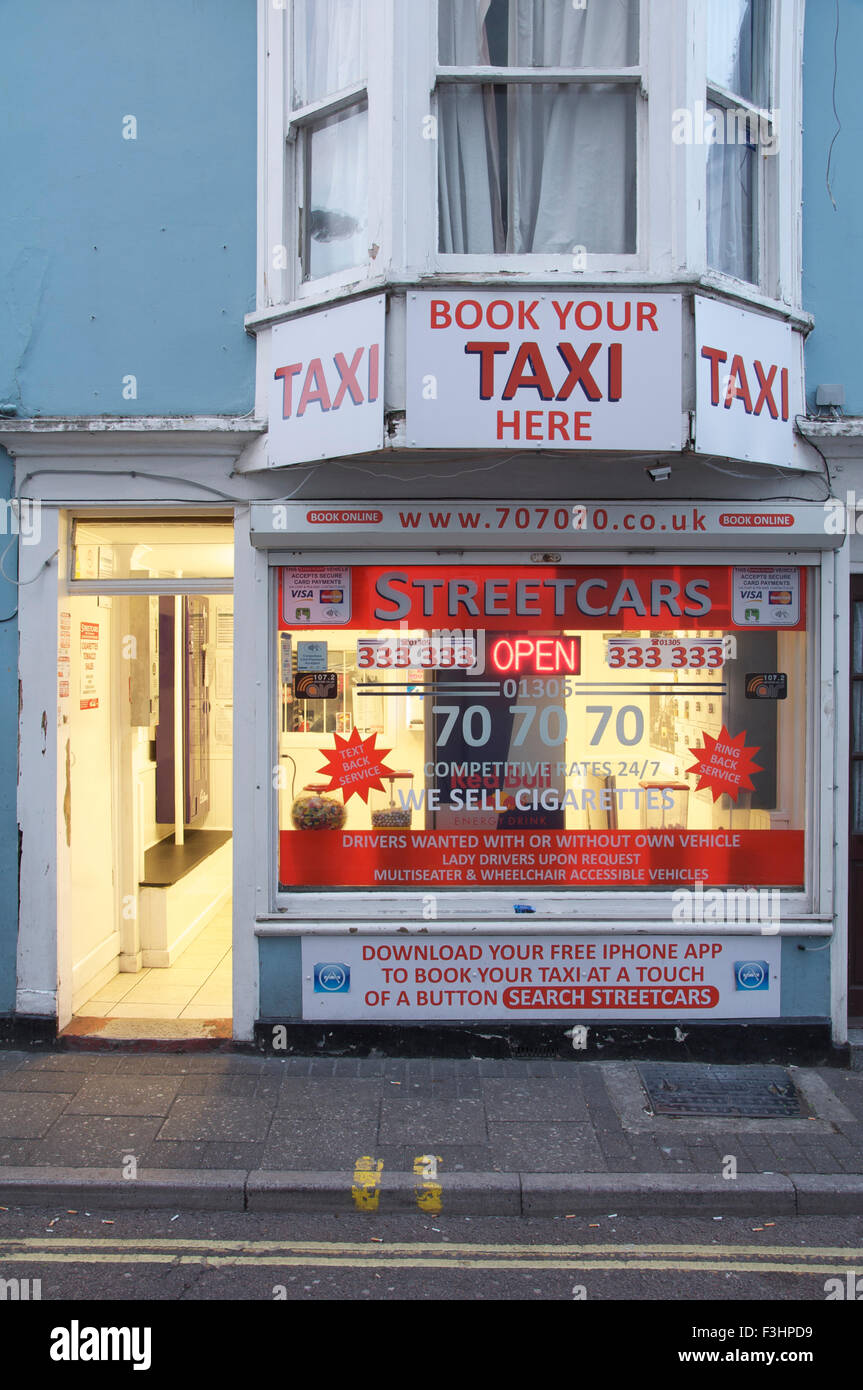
489	667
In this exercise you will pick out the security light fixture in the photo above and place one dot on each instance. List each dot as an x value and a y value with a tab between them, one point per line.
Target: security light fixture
660	474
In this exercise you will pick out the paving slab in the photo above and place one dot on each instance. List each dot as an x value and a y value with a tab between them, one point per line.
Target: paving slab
205	1083
124	1096
309	1143
412	1120
540	1099
90	1062
28	1116
298	1096
32	1080
559	1147
217	1118
94	1141
185	1154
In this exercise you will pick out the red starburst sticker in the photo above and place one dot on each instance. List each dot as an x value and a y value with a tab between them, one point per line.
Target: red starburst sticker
725	764
355	765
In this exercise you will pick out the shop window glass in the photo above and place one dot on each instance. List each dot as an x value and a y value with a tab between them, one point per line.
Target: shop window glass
107	550
486	725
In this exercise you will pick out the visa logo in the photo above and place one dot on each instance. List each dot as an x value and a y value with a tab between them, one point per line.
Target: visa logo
750	593
302	593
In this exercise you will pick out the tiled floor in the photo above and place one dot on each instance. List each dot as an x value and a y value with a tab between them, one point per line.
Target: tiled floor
198	985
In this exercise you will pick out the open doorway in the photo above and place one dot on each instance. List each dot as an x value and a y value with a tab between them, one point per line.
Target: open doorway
145	815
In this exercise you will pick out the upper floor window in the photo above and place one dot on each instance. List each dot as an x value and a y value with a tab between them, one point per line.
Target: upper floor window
329	124
464	137
741	130
537	126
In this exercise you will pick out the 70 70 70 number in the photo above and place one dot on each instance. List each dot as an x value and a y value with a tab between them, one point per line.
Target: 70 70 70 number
551	724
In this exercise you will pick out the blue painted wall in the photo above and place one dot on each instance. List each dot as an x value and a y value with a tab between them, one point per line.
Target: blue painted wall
128	257
119	257
833	237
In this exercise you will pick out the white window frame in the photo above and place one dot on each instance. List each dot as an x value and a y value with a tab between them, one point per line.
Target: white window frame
281	136
597	263
778	176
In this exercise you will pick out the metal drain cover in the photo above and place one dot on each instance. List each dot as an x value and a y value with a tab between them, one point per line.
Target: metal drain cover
685	1088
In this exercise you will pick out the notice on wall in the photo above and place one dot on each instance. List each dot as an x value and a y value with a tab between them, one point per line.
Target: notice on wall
702	975
492	370
89	693
64	656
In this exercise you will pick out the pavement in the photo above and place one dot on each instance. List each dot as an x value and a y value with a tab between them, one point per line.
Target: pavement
226	1130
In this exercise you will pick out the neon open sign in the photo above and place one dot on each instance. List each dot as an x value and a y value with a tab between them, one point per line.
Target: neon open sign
551	655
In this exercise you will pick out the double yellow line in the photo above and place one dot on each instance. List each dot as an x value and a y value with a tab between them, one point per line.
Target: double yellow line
216	1253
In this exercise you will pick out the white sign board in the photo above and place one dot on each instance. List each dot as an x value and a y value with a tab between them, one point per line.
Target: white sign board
565	371
326	384
703	975
569	525
749	385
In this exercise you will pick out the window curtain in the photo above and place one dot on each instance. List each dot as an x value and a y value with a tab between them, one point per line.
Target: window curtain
737	54
568	176
468	155
329	48
731	207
